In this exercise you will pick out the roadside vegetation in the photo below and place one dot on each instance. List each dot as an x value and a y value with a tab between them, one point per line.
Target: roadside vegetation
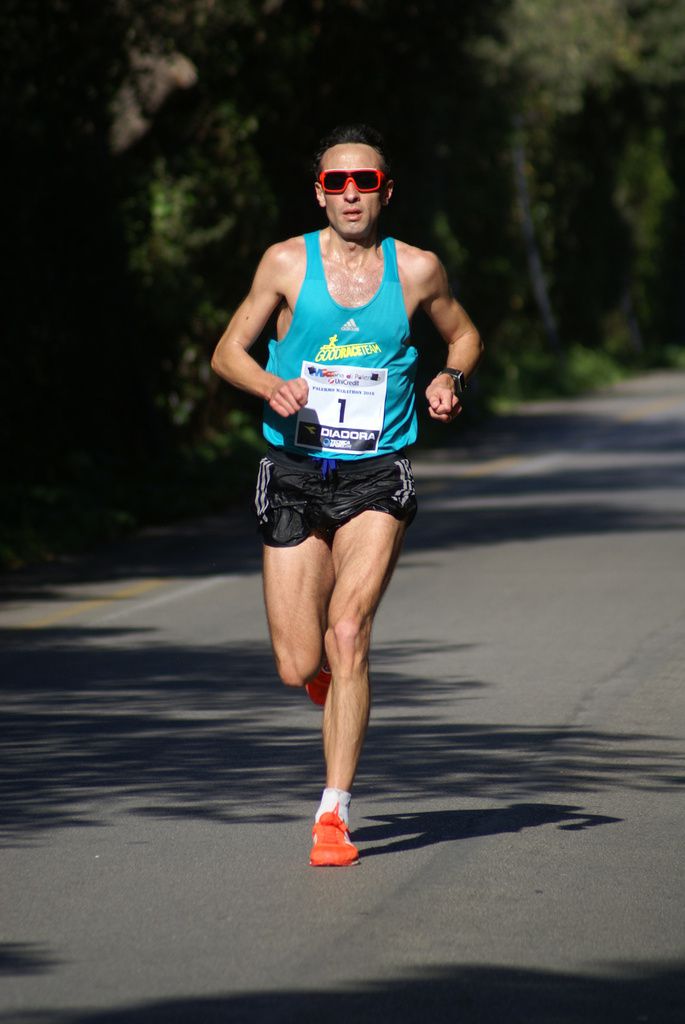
153	151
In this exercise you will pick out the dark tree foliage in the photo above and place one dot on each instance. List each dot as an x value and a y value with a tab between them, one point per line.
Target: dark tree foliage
68	347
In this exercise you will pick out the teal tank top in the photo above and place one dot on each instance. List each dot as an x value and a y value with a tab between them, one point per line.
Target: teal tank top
359	363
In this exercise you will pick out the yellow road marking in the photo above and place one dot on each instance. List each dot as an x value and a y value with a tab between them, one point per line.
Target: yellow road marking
494	466
86	606
651	409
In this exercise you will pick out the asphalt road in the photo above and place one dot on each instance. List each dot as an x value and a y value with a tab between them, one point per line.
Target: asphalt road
519	805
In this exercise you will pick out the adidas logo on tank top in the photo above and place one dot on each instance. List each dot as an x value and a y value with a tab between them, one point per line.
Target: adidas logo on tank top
349	325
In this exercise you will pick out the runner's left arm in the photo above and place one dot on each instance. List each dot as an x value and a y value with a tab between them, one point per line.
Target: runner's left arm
464	345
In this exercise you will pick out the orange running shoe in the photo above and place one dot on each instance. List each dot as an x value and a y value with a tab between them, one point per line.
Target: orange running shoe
332	847
318	688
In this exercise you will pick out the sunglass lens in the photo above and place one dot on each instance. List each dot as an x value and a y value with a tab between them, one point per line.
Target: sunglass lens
334	181
366	181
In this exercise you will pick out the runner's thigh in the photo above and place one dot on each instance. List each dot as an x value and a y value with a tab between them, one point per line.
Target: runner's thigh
365	551
297	586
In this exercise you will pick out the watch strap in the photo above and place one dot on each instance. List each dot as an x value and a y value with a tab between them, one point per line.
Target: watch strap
458	378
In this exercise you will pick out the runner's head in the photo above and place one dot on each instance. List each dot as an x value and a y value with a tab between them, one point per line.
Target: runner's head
352	180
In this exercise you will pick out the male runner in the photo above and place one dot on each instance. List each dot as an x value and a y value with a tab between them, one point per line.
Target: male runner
335	491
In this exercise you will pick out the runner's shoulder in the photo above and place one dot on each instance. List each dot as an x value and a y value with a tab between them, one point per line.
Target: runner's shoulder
282	267
284	255
420	265
419	268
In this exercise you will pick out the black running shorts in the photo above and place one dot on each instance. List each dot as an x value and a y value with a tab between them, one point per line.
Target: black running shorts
298	495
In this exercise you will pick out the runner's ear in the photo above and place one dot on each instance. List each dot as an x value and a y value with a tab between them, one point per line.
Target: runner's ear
320	194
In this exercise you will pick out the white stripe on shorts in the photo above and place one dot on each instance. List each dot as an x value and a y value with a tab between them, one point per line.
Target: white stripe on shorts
261	500
406	488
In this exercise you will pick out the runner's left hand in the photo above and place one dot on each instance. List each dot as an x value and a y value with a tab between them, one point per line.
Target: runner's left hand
443	404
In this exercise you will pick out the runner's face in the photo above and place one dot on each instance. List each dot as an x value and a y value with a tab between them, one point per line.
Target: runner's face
352	214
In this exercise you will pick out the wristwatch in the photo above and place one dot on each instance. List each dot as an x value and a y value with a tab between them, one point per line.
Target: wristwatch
458	378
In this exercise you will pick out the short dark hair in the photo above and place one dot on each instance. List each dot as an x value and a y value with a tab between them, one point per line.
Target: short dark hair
361	134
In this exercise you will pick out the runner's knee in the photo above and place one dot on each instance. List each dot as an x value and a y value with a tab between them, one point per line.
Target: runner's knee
349	634
293	672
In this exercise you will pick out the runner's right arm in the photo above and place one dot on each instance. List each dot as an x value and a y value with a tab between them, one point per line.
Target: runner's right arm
231	359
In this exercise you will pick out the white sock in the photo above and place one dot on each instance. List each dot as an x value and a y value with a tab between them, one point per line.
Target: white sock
337	801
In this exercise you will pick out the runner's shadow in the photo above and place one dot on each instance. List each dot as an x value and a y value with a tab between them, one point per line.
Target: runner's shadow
414	831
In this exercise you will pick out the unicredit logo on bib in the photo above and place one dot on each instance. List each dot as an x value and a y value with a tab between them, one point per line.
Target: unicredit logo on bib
339	375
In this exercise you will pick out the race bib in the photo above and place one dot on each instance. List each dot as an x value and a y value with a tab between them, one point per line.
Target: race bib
345	408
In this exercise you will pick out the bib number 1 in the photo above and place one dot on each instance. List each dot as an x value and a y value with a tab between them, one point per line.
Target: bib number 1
345	408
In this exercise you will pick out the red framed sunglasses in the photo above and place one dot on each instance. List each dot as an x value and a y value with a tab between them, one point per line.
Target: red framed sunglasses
366	179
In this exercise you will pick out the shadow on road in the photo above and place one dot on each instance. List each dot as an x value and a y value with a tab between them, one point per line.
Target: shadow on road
426	828
203	733
463	994
188	550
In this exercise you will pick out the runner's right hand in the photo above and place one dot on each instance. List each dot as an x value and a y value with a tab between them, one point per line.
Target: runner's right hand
289	396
